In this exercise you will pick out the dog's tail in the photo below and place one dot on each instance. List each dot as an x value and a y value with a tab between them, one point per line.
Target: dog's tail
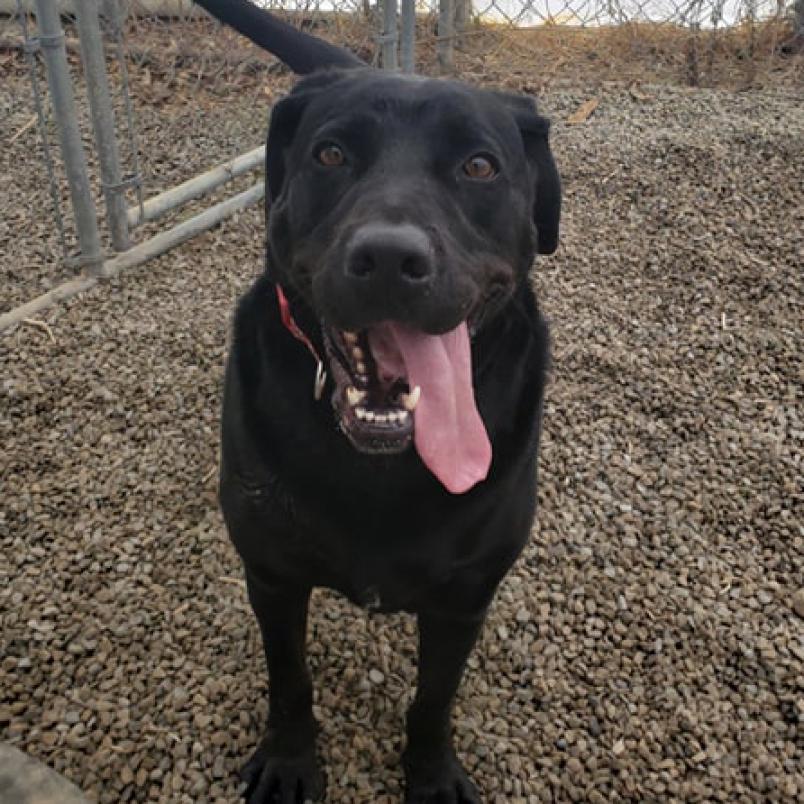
300	51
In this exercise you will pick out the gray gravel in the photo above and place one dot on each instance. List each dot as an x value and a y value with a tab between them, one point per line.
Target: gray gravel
649	645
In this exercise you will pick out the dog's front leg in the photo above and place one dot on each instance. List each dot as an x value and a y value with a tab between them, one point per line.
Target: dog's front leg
284	768
433	773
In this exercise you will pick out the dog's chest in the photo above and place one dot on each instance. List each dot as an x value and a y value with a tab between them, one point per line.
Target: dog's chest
382	552
379	560
375	571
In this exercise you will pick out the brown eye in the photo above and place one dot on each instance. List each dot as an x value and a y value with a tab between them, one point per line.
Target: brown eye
480	167
330	156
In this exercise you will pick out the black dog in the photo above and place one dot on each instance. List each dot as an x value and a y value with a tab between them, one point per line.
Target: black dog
384	387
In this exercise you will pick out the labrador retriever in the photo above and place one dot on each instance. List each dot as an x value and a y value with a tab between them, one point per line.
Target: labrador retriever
384	386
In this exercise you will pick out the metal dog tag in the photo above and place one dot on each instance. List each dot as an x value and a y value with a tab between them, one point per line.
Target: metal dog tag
320	381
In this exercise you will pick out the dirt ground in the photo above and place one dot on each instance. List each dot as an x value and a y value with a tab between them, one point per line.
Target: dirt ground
649	645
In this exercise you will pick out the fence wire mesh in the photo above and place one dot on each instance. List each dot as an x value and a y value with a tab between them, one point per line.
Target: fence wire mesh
744	30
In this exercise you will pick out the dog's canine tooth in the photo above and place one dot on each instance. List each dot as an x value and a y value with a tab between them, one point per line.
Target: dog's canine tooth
412	399
354	395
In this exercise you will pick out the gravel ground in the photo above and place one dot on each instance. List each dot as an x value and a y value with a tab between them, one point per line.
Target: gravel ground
648	645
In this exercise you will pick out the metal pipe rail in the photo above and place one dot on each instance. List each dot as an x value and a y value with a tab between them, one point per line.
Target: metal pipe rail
137	255
196	187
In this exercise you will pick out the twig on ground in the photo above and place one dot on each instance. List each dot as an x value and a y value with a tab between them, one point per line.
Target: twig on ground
43	325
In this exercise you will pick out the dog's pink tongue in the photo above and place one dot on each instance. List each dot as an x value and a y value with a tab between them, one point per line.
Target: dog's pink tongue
449	434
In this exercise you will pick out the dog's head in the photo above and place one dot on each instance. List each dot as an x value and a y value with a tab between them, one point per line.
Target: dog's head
404	212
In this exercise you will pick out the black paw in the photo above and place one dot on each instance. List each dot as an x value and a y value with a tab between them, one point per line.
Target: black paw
294	779
441	781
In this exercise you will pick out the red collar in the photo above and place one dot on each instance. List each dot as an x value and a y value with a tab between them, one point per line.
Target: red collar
297	332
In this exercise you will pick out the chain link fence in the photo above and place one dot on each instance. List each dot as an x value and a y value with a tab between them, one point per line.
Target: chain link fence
119	69
390	29
458	20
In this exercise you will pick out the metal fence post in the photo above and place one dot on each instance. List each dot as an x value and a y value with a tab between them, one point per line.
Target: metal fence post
446	35
389	36
463	15
113	29
103	123
798	20
407	45
31	46
51	40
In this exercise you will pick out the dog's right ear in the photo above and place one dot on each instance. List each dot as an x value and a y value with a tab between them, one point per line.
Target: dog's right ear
285	118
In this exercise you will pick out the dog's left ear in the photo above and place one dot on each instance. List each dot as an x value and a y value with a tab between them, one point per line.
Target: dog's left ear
535	131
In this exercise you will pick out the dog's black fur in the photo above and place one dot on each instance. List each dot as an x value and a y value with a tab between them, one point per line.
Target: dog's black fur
305	507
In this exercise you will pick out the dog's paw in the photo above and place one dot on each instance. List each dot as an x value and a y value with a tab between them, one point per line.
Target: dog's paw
282	779
442	781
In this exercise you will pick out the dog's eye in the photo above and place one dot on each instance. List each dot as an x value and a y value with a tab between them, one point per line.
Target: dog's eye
480	167
330	155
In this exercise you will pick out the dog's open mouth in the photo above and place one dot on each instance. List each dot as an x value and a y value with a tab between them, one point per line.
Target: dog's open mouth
395	384
374	408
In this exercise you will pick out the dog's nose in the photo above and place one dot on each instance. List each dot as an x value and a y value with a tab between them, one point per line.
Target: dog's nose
391	254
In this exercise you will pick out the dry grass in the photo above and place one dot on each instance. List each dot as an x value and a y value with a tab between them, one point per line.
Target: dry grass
198	52
748	55
744	56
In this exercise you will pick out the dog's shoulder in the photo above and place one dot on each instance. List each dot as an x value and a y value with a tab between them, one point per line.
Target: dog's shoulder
258	335
512	363
249	317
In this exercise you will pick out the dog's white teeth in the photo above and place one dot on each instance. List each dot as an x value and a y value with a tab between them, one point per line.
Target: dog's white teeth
357	353
385	419
350	338
354	396
361	367
412	399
